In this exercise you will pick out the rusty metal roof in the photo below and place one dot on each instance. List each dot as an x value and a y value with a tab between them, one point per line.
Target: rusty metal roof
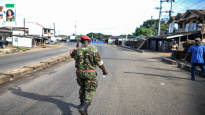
5	31
198	12
178	16
195	13
174	35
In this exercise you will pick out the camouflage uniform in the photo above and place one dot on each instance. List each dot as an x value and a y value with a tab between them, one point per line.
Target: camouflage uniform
86	60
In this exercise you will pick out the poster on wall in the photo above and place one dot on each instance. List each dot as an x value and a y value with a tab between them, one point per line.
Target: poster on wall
7	14
2	14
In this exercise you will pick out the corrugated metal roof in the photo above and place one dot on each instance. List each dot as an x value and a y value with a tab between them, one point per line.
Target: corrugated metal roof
178	16
198	12
5	31
174	35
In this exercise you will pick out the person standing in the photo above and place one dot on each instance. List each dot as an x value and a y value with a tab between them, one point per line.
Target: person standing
174	49
86	59
197	50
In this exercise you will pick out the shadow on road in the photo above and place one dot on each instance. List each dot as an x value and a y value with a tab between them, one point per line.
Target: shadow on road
63	106
126	49
121	59
163	76
155	68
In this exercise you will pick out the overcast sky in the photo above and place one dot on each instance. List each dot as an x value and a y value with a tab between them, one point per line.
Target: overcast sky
105	16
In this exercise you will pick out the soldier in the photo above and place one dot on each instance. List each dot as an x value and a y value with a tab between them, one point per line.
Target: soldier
86	59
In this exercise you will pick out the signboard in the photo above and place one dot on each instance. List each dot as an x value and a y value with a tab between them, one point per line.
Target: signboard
72	38
7	14
22	42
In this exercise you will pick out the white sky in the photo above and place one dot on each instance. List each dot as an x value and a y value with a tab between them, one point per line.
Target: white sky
105	16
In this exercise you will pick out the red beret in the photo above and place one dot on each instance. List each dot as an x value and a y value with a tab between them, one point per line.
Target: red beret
85	37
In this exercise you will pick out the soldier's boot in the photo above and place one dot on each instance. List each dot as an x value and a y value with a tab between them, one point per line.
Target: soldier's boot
83	109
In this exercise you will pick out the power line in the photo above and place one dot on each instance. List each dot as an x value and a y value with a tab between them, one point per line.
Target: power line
180	6
194	5
160	12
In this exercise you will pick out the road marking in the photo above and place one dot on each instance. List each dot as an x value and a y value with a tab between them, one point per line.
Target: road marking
162	83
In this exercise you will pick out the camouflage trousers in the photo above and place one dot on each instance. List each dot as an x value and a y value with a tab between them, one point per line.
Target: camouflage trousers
87	80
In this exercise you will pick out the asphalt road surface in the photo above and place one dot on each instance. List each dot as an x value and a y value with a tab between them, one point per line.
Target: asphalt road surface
9	62
137	84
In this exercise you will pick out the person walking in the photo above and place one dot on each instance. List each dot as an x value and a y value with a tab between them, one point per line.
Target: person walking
86	59
197	50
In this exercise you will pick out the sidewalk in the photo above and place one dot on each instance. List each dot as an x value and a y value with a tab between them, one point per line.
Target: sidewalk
166	57
17	50
163	54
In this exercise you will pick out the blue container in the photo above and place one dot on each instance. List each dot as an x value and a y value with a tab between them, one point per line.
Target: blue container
100	42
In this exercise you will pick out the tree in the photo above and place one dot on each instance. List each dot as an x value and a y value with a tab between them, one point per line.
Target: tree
142	31
150	28
98	35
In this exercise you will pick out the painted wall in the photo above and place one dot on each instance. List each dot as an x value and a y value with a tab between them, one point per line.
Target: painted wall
22	42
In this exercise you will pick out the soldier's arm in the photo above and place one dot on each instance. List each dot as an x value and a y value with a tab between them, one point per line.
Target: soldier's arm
102	67
100	64
78	44
73	53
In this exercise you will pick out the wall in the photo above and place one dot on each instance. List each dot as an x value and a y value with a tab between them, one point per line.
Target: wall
34	29
18	32
4	35
22	41
153	44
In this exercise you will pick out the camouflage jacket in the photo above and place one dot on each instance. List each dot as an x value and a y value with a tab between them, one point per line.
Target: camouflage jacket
86	58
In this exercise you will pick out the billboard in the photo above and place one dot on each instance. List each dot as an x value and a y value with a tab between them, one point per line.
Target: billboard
7	14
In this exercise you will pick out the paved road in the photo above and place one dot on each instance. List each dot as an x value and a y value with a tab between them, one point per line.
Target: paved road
137	84
17	60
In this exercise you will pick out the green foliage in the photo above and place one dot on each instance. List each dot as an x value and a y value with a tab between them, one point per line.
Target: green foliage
20	49
128	36
150	28
142	31
78	36
98	35
150	23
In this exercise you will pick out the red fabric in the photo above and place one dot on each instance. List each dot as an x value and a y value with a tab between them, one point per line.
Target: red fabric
85	37
87	69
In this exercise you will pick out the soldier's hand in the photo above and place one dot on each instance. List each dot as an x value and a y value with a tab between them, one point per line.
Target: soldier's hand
105	72
78	44
71	51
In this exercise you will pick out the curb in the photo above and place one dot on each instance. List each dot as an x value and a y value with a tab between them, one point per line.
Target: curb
4	79
169	61
32	68
140	51
180	65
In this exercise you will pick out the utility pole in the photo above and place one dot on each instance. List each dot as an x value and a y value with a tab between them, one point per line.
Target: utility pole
75	27
54	27
170	12
160	12
24	25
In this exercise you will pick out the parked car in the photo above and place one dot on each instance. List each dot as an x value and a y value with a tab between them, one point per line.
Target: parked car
3	43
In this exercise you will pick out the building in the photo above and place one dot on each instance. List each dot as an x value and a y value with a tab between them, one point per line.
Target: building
21	31
42	34
5	32
182	27
48	33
